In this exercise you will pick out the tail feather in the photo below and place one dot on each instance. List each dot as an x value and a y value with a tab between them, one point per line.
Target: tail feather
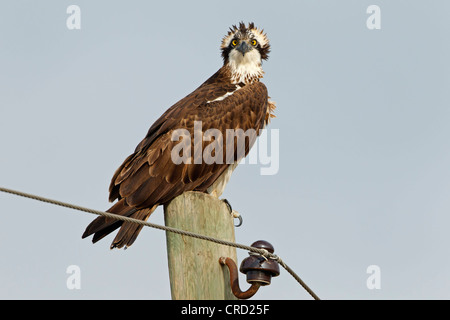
129	230
102	223
102	226
101	233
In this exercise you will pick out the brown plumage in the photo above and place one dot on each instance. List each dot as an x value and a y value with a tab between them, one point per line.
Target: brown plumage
149	177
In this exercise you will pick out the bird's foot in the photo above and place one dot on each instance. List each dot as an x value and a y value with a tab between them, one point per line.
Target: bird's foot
234	213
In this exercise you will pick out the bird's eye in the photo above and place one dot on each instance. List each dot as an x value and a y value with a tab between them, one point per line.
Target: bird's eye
254	42
234	43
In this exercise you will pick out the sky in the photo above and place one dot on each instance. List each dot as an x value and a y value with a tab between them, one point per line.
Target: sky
359	207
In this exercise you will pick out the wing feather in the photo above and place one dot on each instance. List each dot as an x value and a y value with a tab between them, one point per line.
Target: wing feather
149	177
245	109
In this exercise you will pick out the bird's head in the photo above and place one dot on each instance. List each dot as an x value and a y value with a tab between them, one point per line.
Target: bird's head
243	49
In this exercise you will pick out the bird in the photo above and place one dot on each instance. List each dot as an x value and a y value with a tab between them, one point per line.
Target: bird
233	98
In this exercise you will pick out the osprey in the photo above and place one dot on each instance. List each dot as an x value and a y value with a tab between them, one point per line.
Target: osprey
232	98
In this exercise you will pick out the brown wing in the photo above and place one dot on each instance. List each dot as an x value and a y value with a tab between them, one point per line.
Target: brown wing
149	177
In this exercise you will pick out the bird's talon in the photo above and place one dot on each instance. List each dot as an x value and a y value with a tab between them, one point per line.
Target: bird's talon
234	213
237	215
228	205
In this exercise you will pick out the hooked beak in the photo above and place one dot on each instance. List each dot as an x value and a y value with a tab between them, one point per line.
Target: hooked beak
243	48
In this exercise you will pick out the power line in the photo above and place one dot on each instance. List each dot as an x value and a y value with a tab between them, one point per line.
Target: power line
262	252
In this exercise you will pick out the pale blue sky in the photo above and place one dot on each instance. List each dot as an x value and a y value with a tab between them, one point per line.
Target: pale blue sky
363	117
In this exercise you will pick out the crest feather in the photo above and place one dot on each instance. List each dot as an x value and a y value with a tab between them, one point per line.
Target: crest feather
246	32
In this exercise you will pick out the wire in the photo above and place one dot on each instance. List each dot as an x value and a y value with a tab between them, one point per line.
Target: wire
262	252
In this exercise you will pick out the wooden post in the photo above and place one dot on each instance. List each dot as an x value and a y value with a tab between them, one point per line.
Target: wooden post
194	268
